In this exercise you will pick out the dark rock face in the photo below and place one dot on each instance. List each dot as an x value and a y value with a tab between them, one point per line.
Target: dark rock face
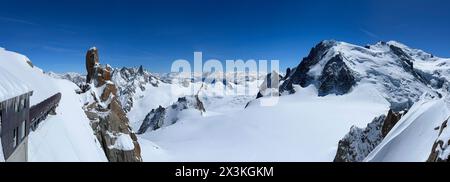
154	120
199	104
391	119
161	117
272	80
141	70
336	78
299	75
129	80
83	88
288	73
407	63
335	68
358	143
405	58
91	62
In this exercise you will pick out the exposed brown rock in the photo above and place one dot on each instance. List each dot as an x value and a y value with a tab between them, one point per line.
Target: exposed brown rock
118	118
110	89
137	150
102	75
108	119
91	115
91	106
438	146
91	62
391	119
112	125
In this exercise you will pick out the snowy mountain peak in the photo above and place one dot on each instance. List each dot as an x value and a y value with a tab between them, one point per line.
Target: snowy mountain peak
400	73
397	44
330	42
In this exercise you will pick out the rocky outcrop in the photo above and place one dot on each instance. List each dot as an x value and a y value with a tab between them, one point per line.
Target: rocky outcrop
109	91
91	63
127	81
154	120
102	75
440	151
130	81
359	142
95	73
336	77
270	85
288	73
299	75
162	117
407	63
391	119
108	119
112	128
391	68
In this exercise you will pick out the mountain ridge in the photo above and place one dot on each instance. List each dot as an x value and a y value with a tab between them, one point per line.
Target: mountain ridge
336	67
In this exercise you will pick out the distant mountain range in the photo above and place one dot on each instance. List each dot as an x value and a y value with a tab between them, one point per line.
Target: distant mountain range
342	102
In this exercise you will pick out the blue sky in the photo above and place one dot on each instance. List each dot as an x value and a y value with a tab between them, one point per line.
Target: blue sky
55	34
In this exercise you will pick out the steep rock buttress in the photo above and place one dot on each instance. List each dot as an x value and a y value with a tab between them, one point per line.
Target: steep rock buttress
108	119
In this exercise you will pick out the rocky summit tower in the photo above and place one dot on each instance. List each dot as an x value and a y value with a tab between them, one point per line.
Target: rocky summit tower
108	119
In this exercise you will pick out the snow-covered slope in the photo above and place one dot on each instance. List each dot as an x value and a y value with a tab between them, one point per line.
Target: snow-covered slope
64	137
21	72
217	98
399	73
76	78
338	86
131	82
413	136
302	127
163	117
150	98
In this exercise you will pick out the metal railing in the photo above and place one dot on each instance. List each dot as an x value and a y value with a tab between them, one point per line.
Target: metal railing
40	111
